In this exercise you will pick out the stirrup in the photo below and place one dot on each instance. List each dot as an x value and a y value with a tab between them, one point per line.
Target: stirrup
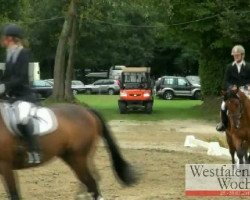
34	158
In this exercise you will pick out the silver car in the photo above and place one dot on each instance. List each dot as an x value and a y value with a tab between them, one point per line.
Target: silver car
103	86
77	87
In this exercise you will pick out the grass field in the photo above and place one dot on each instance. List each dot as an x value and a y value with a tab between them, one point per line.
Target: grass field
163	110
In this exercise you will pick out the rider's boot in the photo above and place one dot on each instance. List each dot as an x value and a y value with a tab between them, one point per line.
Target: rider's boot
222	126
27	132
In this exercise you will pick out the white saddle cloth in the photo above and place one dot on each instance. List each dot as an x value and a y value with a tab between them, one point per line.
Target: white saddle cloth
246	91
20	112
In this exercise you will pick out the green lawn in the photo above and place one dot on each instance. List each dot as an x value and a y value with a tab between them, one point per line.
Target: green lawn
163	110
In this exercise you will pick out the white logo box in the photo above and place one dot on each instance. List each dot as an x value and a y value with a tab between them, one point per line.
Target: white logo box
217	180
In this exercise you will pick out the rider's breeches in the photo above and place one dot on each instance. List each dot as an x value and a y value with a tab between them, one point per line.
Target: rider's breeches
223	106
25	124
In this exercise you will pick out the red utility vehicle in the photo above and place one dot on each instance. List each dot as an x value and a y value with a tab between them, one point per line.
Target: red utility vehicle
136	90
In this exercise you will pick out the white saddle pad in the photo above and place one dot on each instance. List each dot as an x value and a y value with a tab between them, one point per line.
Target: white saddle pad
246	91
20	112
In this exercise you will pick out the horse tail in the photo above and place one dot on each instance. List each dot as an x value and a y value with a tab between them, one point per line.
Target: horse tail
123	169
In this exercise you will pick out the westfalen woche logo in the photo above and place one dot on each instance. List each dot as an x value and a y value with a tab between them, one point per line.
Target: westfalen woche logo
217	180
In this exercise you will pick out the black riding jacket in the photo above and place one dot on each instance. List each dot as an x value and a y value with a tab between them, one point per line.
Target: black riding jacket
16	78
233	77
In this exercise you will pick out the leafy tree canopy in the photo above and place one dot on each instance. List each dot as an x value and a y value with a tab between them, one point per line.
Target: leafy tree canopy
173	36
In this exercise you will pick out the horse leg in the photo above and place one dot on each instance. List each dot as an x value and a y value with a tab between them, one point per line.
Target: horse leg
246	158
80	166
232	152
10	181
232	149
244	146
240	154
239	148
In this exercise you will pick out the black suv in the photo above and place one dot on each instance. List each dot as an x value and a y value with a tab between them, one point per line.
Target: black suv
168	87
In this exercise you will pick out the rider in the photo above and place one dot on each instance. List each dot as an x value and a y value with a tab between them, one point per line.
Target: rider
14	84
237	74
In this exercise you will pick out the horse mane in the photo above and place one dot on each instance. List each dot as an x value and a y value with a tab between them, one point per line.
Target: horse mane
231	94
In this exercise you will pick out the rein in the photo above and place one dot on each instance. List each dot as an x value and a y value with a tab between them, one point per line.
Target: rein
241	111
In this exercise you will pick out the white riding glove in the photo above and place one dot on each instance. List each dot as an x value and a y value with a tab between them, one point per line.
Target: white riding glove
2	88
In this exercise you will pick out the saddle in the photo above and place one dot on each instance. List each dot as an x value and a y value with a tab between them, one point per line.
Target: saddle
44	119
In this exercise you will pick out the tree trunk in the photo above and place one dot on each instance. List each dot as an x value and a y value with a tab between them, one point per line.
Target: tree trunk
59	69
70	66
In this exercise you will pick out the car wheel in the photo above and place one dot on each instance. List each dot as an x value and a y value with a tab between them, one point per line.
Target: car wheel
168	95
197	95
149	107
48	94
123	107
40	96
75	92
111	92
88	91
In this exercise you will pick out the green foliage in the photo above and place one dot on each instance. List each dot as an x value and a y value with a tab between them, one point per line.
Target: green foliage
43	36
140	32
211	72
10	12
103	44
225	24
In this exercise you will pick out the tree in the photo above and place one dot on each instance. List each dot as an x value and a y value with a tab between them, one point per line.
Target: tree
71	60
68	30
9	13
221	25
107	36
42	30
136	32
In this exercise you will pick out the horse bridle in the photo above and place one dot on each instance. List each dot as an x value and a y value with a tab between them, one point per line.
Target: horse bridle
238	115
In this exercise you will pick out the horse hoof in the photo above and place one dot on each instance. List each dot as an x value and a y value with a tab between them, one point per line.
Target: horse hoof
84	197
87	197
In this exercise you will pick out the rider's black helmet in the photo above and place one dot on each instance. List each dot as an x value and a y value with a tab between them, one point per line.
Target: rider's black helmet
13	30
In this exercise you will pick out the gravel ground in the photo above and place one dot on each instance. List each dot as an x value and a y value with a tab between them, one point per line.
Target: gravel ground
155	148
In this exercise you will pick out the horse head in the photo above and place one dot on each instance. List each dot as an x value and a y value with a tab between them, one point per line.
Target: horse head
233	98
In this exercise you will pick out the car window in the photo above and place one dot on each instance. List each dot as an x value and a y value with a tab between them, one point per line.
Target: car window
193	79
182	82
77	83
107	82
104	82
118	68
100	82
110	82
50	80
168	81
133	77
40	84
47	84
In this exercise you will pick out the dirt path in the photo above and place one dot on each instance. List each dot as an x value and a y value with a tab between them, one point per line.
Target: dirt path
156	148
168	135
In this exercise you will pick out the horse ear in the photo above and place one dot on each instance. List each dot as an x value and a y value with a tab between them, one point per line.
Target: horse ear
235	89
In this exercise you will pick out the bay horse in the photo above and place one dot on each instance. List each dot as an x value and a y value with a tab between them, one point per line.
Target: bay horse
238	131
74	142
